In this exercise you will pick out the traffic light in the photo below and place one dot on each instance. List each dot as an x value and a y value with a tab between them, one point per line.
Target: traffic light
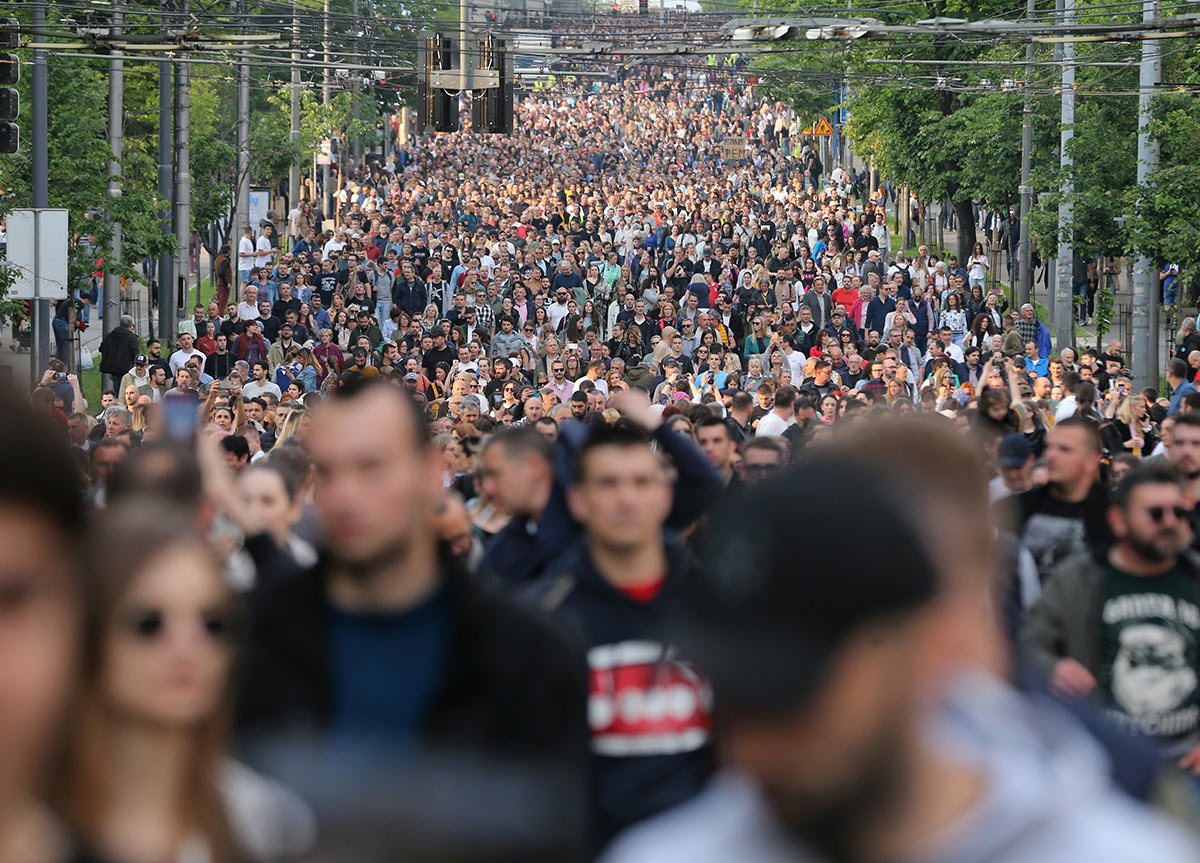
437	110
10	74
492	109
643	7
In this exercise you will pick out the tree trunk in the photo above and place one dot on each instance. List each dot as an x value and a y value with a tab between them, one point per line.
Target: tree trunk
964	211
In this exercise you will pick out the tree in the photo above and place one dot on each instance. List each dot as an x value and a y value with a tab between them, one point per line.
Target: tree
78	157
1164	223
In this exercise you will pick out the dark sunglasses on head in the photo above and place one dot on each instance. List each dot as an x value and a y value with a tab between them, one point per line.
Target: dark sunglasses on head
1157	513
150	624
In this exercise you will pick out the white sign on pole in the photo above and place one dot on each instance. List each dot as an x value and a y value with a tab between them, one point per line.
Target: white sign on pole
260	204
50	224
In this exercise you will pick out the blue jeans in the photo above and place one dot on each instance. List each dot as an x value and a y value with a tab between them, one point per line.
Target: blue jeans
61	337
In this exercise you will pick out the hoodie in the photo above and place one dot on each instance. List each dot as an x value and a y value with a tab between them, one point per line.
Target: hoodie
649	711
1047	797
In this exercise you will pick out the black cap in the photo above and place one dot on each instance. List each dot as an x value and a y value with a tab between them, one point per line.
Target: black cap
775	598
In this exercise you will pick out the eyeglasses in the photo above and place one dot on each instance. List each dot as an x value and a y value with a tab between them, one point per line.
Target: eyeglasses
760	469
150	624
1157	513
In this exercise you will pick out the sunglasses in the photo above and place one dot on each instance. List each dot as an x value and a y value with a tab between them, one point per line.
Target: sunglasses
1157	513
150	624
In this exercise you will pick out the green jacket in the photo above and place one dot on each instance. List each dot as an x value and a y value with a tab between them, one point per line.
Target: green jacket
1065	621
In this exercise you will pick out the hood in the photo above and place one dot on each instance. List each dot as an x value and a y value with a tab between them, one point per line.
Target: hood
1047	792
639	377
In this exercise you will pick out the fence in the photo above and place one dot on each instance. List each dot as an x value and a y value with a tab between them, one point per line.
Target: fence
1122	324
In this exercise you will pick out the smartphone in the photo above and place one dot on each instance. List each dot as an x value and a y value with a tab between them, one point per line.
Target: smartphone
179	417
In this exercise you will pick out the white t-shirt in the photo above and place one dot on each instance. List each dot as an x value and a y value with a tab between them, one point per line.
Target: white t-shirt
772	425
180	358
255	389
556	312
245	247
264	253
797	360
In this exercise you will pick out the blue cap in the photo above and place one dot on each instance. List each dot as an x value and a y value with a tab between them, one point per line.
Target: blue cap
1014	451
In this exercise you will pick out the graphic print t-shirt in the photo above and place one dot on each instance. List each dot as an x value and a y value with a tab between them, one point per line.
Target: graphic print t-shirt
1150	633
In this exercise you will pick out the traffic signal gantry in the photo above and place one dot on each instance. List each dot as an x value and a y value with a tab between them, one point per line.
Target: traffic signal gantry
445	68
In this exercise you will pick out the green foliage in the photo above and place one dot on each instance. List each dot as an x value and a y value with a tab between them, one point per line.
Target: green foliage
77	162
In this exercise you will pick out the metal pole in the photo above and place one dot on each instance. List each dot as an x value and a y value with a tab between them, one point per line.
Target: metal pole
326	192
464	45
166	187
1025	269
39	110
183	178
241	205
116	124
294	172
1146	293
1064	280
357	140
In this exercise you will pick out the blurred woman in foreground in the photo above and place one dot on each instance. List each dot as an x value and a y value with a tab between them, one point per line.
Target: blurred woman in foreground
146	777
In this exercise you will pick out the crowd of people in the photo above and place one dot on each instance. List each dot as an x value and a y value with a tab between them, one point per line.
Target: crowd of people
515	509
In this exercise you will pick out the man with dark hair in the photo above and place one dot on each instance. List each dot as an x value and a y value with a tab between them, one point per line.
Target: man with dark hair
118	351
763	457
615	589
741	407
236	451
1066	515
875	724
480	676
1184	453
1177	380
715	438
530	482
782	414
1126	623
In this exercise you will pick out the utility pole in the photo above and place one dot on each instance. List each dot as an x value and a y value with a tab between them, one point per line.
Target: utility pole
1145	283
183	176
166	187
241	205
1064	317
39	111
294	172
116	124
326	192
357	140
1025	269
464	42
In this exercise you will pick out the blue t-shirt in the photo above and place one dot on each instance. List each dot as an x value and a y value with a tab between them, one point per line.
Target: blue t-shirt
387	669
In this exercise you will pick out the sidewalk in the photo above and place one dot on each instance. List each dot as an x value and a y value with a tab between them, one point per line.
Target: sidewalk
15	365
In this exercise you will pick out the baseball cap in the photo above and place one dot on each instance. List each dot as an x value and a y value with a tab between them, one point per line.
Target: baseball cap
749	606
1014	451
141	360
412	376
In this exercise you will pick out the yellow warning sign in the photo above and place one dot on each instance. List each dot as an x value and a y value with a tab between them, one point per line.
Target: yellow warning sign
823	129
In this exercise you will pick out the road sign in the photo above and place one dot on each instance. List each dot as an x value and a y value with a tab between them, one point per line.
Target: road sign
823	129
733	148
43	230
